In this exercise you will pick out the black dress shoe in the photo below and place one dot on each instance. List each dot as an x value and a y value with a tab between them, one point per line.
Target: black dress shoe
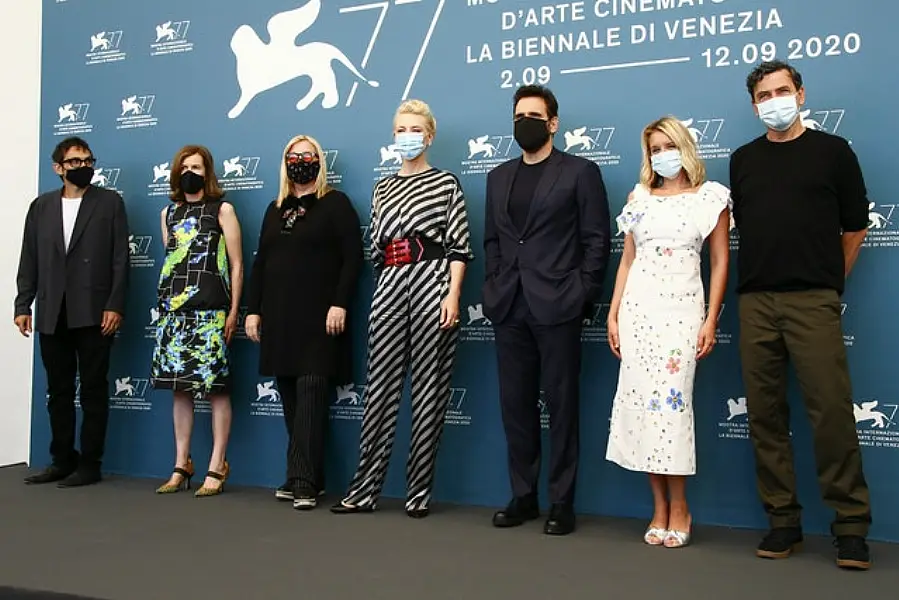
51	474
560	521
418	513
518	512
345	509
80	478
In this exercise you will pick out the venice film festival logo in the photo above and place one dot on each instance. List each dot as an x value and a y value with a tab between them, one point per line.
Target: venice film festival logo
390	160
171	38
484	152
265	66
130	394
706	133
876	423
595	329
105	47
137	112
72	119
150	330
107	177
735	425
593	143
239	174
268	400
159	184
477	327
349	405
139	256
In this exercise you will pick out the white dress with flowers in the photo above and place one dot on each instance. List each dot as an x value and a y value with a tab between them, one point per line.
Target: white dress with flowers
661	313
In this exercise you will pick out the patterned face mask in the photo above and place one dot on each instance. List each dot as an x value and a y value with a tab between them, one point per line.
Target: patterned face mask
303	172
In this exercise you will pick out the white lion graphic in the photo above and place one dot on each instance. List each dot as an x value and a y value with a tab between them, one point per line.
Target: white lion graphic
124	386
262	67
165	32
267	391
578	137
67	113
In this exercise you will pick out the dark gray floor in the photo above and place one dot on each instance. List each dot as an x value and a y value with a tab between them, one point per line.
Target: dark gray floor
119	541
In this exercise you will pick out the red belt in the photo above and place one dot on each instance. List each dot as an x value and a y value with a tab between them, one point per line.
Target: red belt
411	250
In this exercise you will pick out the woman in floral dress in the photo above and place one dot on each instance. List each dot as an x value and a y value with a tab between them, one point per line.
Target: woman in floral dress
199	293
658	323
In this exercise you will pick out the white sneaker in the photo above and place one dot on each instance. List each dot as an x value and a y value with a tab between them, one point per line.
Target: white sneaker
304	503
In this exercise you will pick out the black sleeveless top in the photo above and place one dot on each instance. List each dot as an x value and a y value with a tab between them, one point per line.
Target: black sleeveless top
196	272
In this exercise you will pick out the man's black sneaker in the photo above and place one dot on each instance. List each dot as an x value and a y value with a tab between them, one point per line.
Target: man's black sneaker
780	543
852	552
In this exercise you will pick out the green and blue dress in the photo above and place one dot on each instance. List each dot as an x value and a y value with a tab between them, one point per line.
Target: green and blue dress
194	297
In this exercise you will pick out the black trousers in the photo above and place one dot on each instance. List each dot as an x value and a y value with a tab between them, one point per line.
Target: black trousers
305	402
531	356
71	354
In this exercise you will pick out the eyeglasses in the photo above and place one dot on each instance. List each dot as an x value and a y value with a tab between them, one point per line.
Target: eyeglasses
75	163
306	157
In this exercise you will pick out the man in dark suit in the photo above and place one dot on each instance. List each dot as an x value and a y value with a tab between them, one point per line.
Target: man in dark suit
547	243
74	261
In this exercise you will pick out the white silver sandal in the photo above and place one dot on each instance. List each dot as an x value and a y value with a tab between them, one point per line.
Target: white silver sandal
655	536
676	539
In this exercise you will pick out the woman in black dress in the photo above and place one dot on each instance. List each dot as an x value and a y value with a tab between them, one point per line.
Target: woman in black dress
301	286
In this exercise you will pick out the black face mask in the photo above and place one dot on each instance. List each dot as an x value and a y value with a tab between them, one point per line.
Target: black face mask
80	177
303	172
191	183
531	133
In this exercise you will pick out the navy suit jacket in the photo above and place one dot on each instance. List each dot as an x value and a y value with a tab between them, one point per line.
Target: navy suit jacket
92	275
561	256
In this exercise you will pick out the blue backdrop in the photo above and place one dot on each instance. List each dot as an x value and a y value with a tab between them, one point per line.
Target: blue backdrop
140	79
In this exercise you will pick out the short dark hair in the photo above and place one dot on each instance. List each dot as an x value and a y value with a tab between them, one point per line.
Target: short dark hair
538	91
767	68
59	153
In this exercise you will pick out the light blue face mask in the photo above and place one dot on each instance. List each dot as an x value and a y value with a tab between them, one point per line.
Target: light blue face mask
410	145
667	164
779	113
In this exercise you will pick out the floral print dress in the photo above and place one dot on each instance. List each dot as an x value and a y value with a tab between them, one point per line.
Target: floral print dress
194	296
662	310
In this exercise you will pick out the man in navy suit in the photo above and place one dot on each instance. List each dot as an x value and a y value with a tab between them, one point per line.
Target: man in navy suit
547	244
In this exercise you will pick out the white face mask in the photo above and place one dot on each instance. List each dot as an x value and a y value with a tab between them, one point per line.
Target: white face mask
667	164
779	113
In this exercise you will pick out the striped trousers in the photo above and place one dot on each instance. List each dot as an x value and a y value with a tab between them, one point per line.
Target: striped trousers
305	402
404	337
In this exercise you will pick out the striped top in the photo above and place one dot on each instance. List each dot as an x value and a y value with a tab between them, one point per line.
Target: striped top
428	205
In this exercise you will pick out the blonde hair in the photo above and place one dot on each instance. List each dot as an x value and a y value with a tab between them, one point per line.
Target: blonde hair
683	140
417	107
321	182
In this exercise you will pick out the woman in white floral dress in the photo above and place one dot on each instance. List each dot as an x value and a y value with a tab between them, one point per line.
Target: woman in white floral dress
658	324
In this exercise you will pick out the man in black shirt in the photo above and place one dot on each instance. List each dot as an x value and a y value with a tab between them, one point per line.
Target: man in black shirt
547	244
801	208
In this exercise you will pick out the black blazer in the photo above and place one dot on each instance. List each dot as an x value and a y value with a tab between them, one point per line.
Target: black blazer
561	256
92	276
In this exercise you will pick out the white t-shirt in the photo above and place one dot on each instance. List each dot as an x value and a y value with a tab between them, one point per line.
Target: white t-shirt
70	208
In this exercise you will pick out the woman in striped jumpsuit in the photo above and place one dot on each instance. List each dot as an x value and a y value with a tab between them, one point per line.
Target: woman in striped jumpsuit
420	247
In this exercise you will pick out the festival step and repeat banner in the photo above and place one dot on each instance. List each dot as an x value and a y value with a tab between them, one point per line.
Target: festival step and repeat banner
140	79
